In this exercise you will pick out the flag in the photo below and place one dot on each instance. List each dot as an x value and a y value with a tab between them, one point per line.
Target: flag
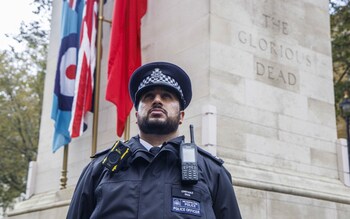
84	84
66	71
124	55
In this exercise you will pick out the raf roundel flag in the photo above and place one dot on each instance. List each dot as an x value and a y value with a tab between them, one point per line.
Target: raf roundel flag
66	71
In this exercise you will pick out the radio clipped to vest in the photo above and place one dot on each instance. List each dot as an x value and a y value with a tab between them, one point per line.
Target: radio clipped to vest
189	165
117	157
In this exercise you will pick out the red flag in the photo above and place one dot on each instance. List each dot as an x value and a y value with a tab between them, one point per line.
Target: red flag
124	55
84	84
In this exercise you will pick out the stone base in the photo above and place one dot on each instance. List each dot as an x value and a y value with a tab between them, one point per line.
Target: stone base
53	205
291	183
268	202
261	193
259	204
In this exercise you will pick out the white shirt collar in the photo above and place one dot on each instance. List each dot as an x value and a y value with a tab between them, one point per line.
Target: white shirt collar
147	145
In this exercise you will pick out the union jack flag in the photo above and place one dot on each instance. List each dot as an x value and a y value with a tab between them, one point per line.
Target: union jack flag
84	84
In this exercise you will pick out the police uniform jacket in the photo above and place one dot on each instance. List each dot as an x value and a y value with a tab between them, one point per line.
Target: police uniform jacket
150	187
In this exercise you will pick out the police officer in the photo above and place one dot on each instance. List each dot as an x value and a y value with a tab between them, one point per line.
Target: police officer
132	181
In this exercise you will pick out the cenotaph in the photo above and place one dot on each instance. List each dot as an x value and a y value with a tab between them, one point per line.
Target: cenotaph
262	101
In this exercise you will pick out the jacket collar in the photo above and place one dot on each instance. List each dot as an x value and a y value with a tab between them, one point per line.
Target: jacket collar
176	141
139	151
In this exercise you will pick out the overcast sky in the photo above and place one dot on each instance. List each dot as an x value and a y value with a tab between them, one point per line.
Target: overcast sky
12	13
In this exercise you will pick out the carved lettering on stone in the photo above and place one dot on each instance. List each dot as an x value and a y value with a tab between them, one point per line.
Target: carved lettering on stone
276	74
274	48
276	24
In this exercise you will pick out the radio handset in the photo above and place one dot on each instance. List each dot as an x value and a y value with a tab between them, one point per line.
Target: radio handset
189	165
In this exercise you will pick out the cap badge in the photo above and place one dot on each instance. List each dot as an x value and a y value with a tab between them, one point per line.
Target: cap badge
158	76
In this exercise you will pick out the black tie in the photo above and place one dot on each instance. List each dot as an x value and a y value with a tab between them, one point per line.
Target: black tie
154	150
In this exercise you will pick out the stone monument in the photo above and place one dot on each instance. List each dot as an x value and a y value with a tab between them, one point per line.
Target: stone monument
262	86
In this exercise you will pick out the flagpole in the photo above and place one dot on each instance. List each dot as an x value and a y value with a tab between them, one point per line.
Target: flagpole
64	171
97	79
127	129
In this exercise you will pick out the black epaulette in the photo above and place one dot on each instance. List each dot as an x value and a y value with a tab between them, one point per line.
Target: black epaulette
100	153
205	153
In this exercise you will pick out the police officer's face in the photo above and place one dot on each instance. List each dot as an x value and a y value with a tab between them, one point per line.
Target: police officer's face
159	112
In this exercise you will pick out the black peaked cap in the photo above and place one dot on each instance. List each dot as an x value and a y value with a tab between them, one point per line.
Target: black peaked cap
161	74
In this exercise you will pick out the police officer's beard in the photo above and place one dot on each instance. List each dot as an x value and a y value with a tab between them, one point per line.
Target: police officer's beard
158	127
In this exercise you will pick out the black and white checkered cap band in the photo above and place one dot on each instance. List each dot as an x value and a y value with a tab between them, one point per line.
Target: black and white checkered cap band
156	77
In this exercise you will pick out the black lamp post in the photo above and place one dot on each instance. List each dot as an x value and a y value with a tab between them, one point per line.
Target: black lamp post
345	113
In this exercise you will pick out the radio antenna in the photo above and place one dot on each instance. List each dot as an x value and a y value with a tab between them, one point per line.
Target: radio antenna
191	134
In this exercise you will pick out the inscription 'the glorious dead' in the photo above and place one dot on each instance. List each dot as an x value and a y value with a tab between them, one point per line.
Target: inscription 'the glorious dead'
282	55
